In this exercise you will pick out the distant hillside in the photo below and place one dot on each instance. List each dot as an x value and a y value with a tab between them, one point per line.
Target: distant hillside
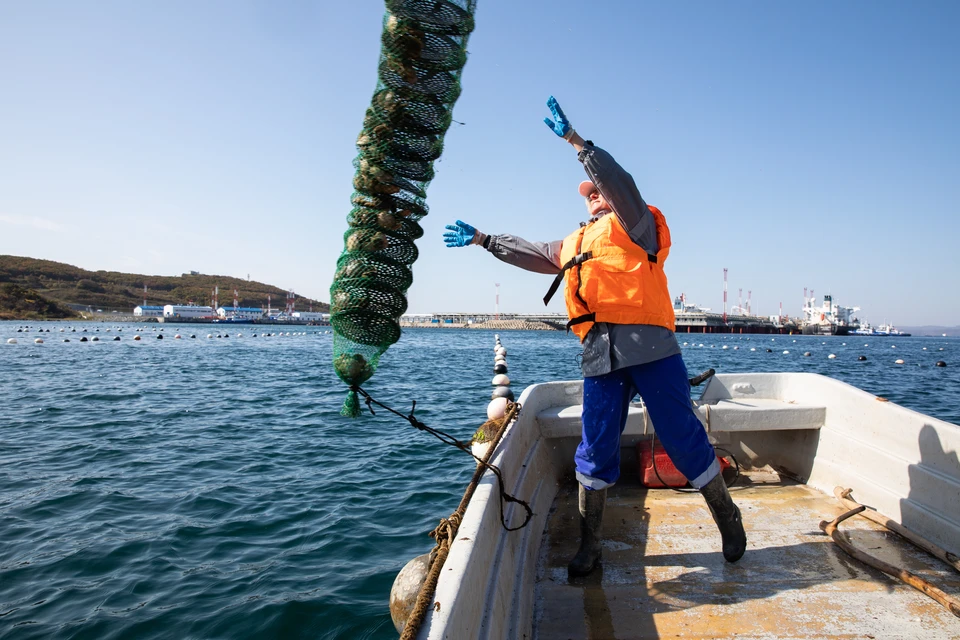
111	290
932	330
17	303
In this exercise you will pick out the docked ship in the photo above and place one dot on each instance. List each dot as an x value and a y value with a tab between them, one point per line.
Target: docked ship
884	329
828	319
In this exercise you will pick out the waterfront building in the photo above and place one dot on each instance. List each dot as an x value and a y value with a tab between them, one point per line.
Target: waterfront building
186	311
310	316
240	313
148	311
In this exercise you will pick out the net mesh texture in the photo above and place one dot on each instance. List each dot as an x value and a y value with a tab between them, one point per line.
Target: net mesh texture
423	50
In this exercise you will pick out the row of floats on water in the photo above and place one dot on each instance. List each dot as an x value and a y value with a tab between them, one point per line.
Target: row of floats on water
159	336
807	354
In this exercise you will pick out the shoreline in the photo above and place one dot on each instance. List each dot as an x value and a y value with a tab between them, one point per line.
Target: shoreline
493	325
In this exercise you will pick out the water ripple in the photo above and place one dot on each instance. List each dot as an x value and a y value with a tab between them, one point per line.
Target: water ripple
209	488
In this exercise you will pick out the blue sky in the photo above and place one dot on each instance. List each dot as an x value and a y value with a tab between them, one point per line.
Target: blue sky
800	145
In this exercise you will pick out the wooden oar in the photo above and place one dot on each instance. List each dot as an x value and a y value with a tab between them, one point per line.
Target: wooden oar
915	581
843	495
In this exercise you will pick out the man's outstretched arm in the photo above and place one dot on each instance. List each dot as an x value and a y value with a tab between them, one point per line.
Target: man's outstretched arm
539	257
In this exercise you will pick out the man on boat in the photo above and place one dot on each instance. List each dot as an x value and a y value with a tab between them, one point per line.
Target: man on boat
619	306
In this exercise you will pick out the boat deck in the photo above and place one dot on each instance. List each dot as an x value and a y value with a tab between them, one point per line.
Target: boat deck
663	575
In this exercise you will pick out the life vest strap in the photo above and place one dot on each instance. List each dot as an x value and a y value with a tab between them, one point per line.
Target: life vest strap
588	317
652	257
571	263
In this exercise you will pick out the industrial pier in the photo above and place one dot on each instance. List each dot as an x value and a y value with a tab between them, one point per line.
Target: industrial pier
701	322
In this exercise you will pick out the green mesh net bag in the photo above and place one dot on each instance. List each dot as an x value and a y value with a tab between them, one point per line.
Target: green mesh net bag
418	80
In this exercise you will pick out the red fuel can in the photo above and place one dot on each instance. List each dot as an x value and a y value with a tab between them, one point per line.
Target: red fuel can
669	474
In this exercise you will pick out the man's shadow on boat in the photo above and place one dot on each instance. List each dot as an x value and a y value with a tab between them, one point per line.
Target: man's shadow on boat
933	487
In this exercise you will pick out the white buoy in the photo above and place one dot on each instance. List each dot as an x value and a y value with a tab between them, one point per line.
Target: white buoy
210	335
898	362
831	356
499	359
786	352
752	349
501	380
177	337
725	347
38	341
736	348
11	341
497	408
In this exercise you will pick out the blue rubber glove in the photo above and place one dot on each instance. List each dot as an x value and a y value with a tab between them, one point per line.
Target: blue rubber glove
459	235
559	124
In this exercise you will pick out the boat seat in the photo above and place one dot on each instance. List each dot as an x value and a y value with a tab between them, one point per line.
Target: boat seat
754	414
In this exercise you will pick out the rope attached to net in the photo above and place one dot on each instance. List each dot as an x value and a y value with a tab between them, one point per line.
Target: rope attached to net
446	531
463	446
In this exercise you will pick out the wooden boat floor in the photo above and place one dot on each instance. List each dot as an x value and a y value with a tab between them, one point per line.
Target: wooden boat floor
663	575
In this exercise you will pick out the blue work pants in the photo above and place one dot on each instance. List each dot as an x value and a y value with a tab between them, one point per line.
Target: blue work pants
665	389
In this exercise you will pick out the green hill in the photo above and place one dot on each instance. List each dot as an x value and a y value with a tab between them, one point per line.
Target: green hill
17	303
110	290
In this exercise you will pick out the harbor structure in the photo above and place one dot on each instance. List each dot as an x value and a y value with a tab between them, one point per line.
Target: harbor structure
187	311
310	316
148	311
240	313
690	318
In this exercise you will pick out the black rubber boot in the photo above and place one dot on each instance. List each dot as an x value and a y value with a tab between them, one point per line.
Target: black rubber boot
591	519
727	516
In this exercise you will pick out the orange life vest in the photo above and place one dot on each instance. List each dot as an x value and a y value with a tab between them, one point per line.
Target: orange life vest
609	278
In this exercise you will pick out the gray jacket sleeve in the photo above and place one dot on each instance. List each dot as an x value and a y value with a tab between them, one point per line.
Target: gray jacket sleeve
619	189
539	257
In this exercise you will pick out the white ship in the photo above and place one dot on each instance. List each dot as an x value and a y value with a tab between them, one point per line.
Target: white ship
884	329
828	318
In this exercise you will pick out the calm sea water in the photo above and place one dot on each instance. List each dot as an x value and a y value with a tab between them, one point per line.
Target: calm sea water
208	488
